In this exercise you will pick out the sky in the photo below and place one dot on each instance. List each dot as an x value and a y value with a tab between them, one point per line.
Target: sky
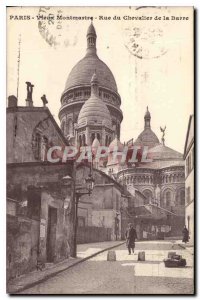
151	60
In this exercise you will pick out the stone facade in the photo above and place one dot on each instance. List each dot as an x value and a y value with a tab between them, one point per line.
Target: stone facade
161	179
101	208
40	226
30	132
40	207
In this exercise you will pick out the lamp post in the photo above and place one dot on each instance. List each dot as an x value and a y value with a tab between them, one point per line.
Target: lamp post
89	186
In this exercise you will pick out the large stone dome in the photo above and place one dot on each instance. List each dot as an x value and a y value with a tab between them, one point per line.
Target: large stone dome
78	90
82	72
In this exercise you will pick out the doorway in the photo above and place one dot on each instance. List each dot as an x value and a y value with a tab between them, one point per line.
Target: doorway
51	234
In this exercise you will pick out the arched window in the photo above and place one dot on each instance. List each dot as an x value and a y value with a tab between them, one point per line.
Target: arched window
182	197
148	195
92	137
80	141
106	141
168	198
44	145
63	127
84	142
70	127
99	137
37	145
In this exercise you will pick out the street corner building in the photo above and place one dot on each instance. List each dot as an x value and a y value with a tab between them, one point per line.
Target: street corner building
189	157
39	205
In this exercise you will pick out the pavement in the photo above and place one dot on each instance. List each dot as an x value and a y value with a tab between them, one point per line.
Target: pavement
84	252
126	275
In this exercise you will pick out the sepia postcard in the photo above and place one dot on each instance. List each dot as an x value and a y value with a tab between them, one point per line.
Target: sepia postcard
100	150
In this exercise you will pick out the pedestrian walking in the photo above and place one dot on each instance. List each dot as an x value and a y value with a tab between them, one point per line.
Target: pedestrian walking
185	235
131	236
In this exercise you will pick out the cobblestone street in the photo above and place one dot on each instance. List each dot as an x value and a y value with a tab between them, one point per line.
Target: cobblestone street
126	275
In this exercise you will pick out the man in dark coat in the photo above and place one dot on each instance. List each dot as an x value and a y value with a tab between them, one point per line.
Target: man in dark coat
131	236
185	235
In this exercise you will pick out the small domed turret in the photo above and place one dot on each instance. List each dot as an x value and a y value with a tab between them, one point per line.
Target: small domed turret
94	110
95	144
116	143
91	30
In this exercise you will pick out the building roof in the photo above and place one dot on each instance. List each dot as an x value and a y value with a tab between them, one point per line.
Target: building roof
82	72
37	110
91	29
162	152
157	165
147	138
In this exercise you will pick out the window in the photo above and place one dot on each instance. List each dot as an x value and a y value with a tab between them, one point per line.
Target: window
108	203
168	198
188	164
70	127
192	153
87	93
92	137
34	204
106	140
81	222
117	202
182	197
80	141
149	196
84	142
37	145
63	127
188	195
99	137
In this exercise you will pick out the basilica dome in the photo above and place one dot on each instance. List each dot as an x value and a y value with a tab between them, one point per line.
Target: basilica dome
82	72
147	138
78	89
94	111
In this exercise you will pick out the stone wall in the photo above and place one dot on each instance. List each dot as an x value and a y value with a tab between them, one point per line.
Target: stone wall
22	125
22	245
32	237
93	234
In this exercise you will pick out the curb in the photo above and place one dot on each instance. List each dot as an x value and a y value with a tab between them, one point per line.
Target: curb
184	247
30	285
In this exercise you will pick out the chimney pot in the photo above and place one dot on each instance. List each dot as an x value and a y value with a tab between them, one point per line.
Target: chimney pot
12	101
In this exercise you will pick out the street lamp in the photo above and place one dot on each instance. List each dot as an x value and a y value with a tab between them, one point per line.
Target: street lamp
89	182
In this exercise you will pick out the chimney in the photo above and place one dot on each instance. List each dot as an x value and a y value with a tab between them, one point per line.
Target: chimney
12	101
29	100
